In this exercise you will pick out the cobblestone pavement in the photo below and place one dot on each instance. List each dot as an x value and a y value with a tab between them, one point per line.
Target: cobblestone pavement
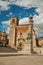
21	60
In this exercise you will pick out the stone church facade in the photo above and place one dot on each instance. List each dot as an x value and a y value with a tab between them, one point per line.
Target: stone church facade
21	34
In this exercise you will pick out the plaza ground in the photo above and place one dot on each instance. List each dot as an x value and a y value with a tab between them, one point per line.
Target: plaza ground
21	60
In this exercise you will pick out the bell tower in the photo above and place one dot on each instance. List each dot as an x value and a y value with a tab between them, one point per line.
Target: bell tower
12	37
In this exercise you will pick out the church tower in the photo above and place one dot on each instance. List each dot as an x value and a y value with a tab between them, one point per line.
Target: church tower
12	37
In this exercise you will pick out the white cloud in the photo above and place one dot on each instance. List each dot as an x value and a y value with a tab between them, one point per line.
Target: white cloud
4	5
24	21
28	3
6	22
24	3
38	23
10	14
6	25
8	29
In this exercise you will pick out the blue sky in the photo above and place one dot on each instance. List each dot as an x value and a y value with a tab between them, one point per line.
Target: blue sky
22	9
18	11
